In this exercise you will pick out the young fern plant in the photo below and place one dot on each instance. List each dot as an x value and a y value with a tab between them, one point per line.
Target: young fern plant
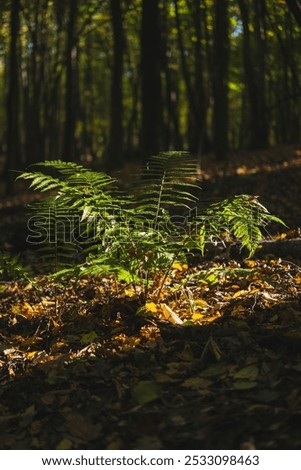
153	237
243	217
10	267
78	210
135	237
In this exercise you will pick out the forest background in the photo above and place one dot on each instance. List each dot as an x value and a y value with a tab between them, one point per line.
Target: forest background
110	81
100	360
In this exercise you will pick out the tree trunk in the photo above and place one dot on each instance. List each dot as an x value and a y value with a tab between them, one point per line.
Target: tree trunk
34	141
71	105
12	105
256	96
295	9
115	149
152	114
220	78
260	70
200	137
194	124
173	137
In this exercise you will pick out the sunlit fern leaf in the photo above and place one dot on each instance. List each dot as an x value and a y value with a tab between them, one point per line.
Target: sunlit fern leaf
53	233
82	205
10	267
242	216
167	182
133	237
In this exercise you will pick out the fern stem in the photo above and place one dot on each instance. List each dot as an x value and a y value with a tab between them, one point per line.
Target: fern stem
167	271
159	200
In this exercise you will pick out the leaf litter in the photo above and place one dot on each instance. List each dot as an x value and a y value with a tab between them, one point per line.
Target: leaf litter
213	364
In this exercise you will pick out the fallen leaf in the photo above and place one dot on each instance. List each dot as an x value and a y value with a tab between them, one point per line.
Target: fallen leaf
247	373
243	385
197	316
151	307
197	383
170	315
64	444
146	391
88	338
81	426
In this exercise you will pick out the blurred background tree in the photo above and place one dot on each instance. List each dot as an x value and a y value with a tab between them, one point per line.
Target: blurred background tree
110	81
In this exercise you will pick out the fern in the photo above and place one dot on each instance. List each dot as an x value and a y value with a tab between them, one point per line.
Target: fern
133	238
10	267
243	216
80	210
165	183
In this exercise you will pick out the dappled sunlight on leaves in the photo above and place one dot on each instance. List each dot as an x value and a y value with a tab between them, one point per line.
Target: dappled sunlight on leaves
211	358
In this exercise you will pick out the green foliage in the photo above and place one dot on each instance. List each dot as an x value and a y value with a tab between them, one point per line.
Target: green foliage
80	207
10	267
92	224
243	217
166	183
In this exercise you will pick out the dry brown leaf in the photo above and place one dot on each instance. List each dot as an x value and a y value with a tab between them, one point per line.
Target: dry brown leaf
170	315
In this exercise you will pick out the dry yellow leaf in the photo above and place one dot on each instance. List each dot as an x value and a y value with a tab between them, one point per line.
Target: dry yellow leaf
180	266
151	307
240	293
250	263
129	293
200	303
197	316
170	315
31	354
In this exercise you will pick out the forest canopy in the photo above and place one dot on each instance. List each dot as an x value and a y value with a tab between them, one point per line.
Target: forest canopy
110	81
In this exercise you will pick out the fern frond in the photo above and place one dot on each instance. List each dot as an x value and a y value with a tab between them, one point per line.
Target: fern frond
167	182
243	216
11	267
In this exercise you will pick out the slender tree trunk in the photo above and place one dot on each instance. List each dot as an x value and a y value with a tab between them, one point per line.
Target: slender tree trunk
295	8
220	78
12	105
152	113
256	95
194	124
200	137
87	107
260	70
71	105
115	149
173	137
36	66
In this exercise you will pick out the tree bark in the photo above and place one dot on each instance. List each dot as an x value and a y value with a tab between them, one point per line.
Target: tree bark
256	94
13	160
295	9
220	79
152	113
115	148
71	105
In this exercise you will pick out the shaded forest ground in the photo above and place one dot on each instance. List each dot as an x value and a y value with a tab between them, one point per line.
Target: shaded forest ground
80	370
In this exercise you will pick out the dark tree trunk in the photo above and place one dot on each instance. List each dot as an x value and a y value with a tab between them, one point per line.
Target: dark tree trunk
34	137
172	135
255	87
200	137
71	96
115	149
152	114
295	8
12	105
195	125
220	78
260	70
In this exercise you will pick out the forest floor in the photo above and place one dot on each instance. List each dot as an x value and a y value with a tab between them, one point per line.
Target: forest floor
79	369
